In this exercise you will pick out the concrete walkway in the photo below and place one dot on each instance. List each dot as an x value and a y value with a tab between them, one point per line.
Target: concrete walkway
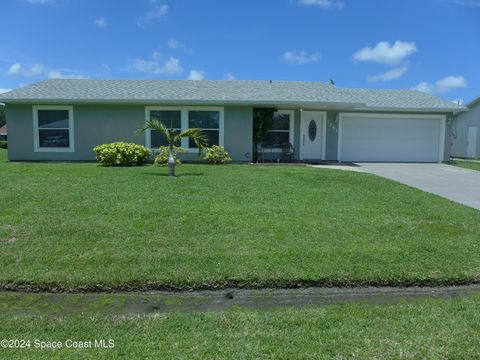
453	183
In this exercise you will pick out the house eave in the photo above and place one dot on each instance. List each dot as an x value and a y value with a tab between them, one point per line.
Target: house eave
396	109
319	105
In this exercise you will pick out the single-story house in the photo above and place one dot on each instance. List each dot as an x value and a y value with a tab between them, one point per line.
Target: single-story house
3	133
466	132
64	119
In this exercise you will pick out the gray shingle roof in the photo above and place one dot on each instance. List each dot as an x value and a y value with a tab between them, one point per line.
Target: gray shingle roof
224	92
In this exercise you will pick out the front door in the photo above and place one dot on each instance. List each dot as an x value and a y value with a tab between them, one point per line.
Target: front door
472	142
311	135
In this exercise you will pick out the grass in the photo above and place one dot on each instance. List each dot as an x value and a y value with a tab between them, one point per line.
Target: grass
472	165
3	155
82	226
433	329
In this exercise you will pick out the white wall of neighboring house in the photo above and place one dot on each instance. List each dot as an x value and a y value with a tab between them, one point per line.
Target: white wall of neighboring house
466	132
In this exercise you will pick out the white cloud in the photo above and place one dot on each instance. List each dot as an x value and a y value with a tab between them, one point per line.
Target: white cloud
230	76
14	69
60	75
4	90
101	22
389	75
451	82
175	44
472	3
196	75
300	58
458	101
324	4
156	65
443	85
386	53
424	87
157	12
34	70
28	71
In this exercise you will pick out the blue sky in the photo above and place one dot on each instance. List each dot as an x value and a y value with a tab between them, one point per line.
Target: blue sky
431	45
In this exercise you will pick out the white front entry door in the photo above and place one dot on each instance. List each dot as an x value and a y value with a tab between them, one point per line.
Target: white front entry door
472	142
312	133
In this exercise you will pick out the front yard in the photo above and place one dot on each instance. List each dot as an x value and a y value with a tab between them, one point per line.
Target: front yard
82	226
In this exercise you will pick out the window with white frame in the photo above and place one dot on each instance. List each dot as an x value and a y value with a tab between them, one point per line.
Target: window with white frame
282	130
53	128
207	119
208	122
172	119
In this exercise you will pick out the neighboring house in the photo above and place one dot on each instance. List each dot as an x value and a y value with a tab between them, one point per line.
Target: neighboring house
64	119
466	132
3	133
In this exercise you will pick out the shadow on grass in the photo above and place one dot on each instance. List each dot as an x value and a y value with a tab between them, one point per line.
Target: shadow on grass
178	175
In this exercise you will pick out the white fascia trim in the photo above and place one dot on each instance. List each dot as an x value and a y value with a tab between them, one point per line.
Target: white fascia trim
71	130
393	116
443	129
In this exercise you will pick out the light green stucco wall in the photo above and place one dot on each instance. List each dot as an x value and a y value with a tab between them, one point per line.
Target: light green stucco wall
99	124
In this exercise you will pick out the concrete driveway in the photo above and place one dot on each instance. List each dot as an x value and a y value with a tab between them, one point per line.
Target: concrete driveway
453	183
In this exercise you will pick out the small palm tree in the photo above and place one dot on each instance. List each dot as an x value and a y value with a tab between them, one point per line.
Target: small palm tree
197	135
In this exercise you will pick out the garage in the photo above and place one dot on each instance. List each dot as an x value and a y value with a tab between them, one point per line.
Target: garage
391	138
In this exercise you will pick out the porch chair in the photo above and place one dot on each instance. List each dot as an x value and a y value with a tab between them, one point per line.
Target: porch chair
287	150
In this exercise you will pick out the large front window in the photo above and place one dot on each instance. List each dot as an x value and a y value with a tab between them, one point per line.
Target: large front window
53	128
209	120
282	130
171	119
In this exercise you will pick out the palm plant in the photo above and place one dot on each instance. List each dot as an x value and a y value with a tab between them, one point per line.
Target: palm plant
197	135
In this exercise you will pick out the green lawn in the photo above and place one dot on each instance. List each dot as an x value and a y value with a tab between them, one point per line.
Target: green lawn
467	164
435	329
84	226
3	155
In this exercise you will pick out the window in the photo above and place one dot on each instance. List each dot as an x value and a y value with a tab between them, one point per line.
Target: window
53	128
208	122
208	119
171	119
282	130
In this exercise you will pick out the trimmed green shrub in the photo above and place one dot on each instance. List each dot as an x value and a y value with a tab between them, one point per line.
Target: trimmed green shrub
217	155
3	145
163	152
121	154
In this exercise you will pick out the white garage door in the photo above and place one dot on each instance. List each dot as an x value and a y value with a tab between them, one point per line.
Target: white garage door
395	138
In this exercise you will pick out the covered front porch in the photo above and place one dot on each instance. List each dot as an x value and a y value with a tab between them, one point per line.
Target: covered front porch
292	136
